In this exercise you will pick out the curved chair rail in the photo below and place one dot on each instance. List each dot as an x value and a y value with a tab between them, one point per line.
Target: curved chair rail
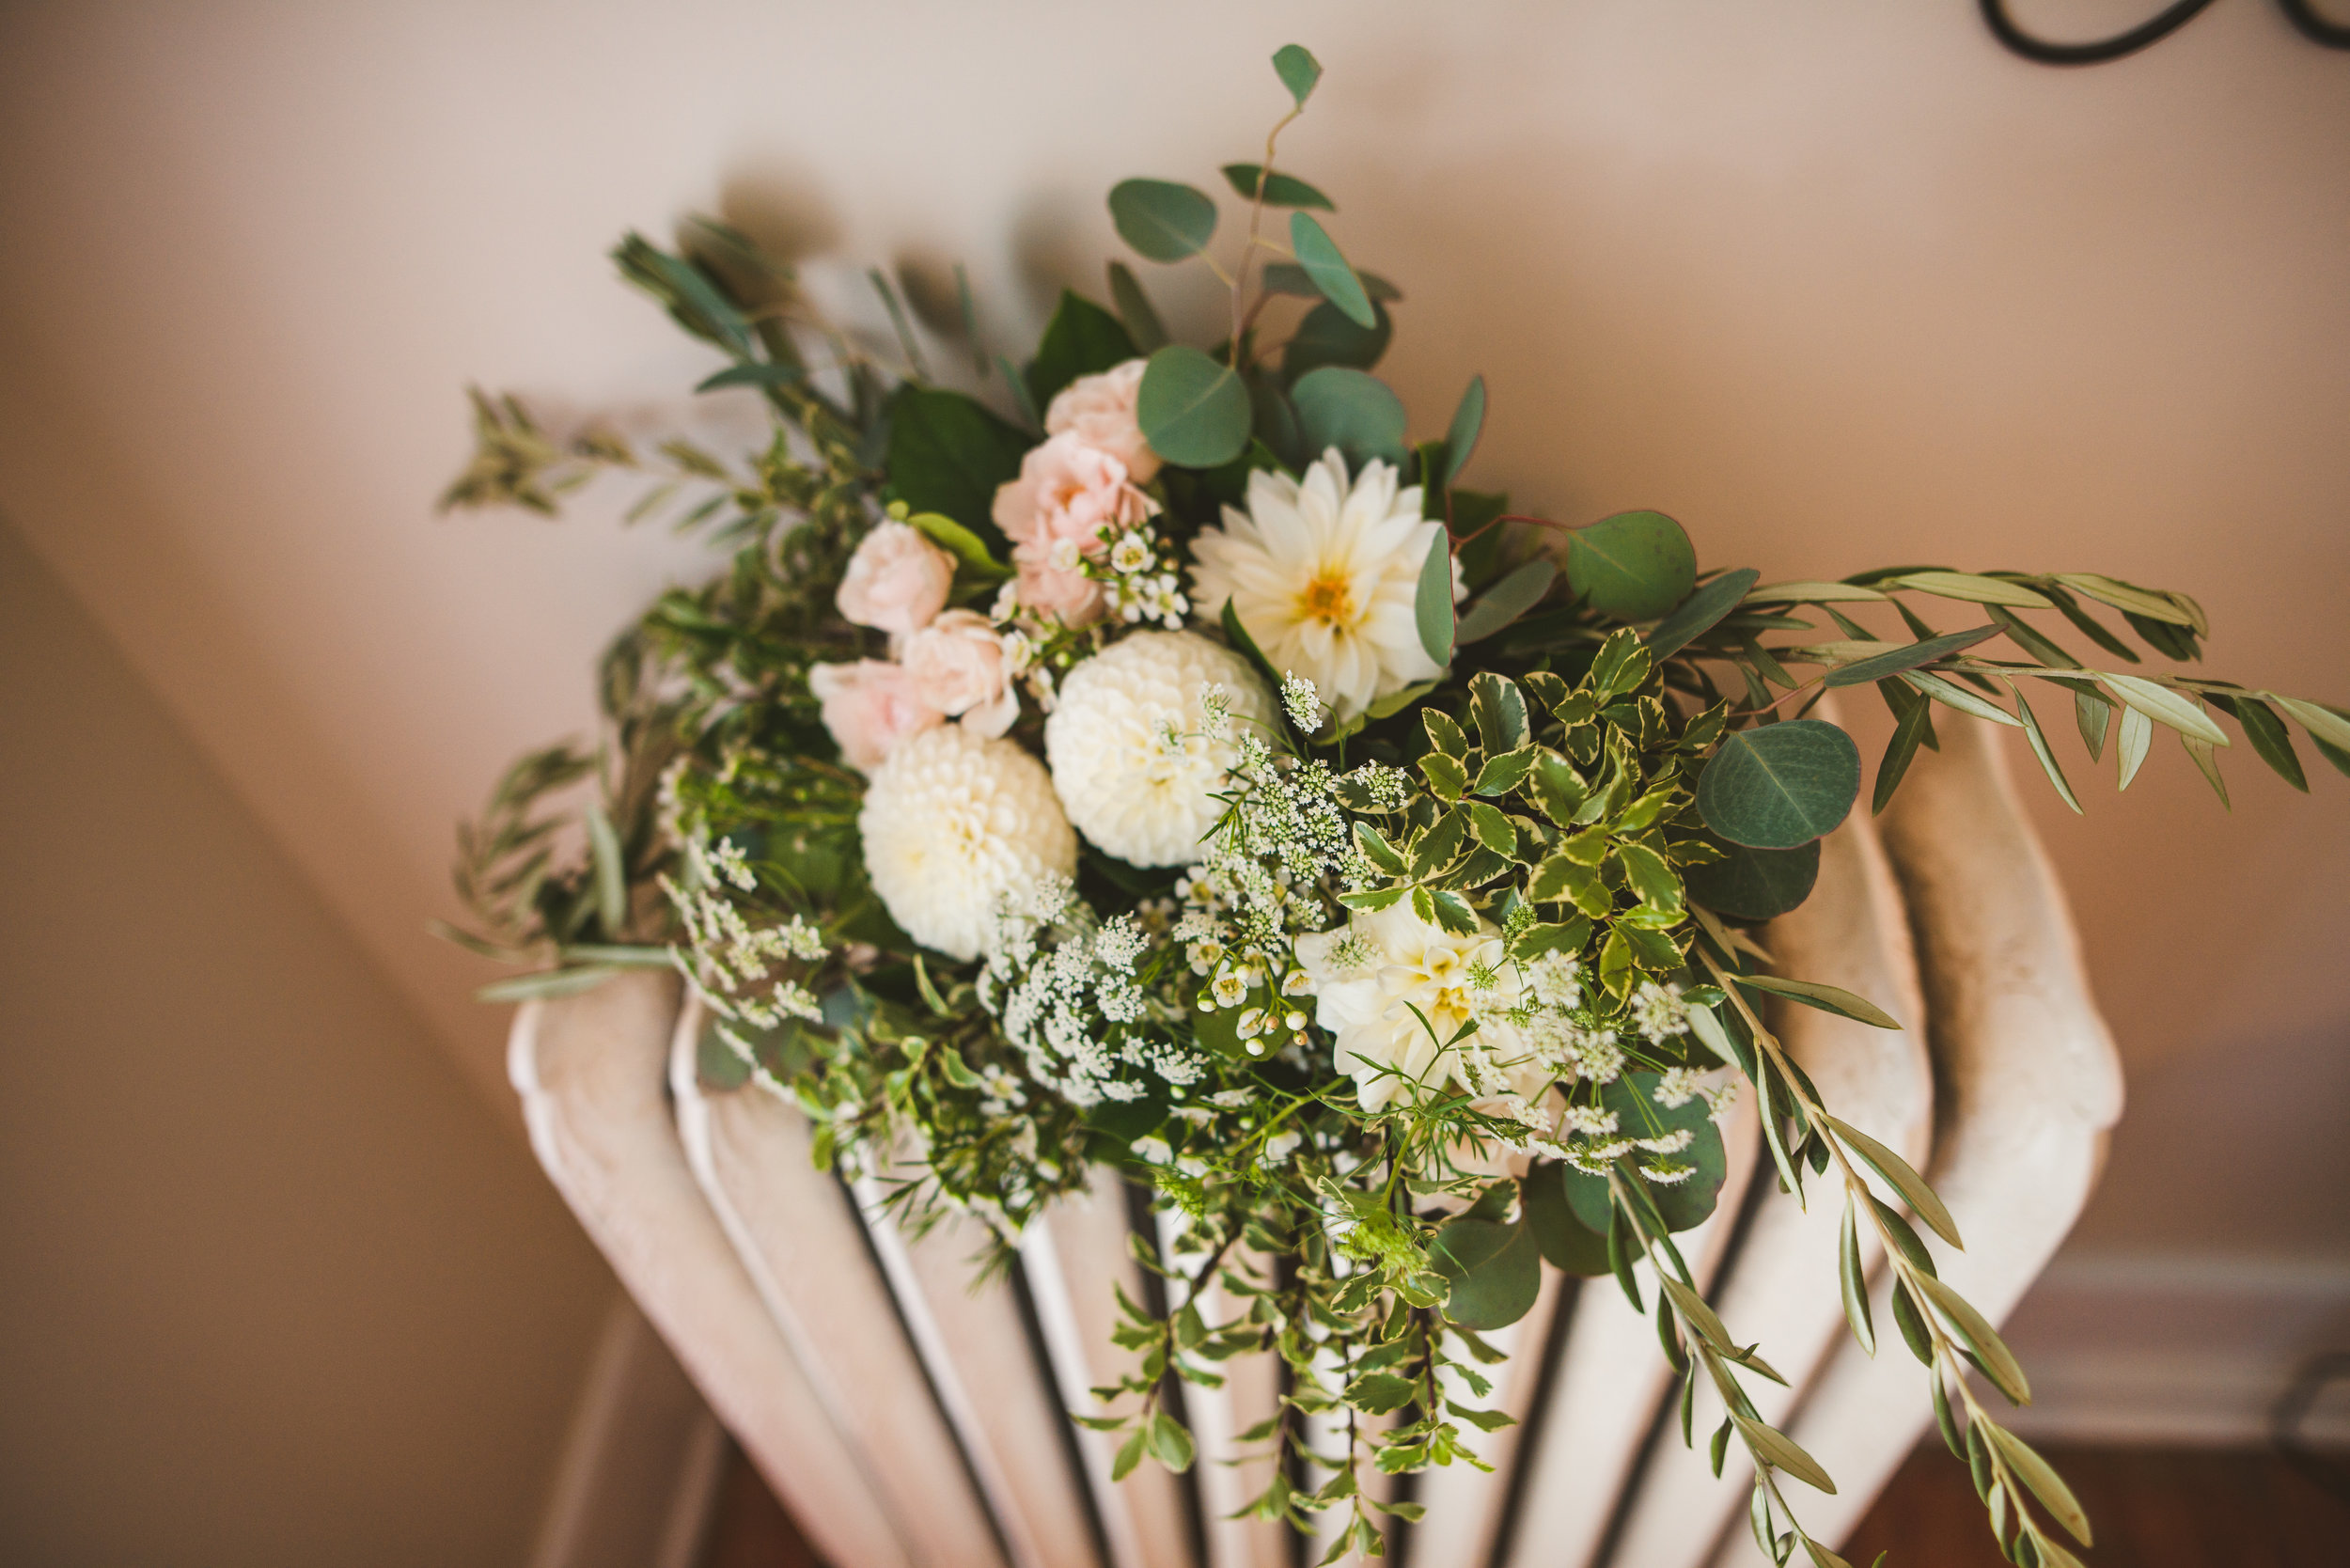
912	1421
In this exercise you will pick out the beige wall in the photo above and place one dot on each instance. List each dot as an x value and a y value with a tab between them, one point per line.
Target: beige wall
277	1289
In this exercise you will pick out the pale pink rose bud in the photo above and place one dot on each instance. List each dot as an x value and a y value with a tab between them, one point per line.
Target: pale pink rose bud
869	706
896	581
1069	490
958	665
1051	590
1100	411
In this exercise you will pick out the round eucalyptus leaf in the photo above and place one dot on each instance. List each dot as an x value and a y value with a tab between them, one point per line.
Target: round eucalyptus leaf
1339	406
1634	566
1163	219
1683	1204
1756	884
1564	1240
1193	410
1328	335
1781	785
1495	1270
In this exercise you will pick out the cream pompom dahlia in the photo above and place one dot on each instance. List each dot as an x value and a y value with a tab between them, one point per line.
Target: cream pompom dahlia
952	823
1324	573
1140	795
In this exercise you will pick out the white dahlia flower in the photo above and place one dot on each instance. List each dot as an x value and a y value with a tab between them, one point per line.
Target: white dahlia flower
1137	793
1324	573
1369	975
952	823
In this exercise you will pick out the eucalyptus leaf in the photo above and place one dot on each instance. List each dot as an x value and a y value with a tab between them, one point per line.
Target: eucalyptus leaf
1699	613
1496	1271
1468	422
1194	410
1327	335
1432	602
1781	785
1295	65
1288	277
1346	408
1320	256
1134	309
1163	219
1634	566
1749	883
1563	1238
1506	600
1282	190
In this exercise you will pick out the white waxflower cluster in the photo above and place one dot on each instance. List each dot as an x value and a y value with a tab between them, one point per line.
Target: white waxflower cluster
1139	581
1082	999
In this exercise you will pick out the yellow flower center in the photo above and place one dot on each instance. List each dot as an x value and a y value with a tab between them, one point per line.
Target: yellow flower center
1330	597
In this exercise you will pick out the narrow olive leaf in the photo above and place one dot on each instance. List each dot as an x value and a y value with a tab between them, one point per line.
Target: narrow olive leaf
1898	1174
2040	747
752	374
1916	654
2165	706
1942	1417
1781	1452
2323	724
622	956
1811	593
2271	740
2123	596
1915	726
1432	605
1163	219
1699	613
2094	715
611	872
1827	998
2088	623
1855	1280
1970	587
546	983
1997	1362
1696	1314
1958	697
1282	190
1468	422
1506	600
1134	310
2045	1484
1907	1317
1193	410
2207	762
1295	65
2137	735
2052	1554
1320	256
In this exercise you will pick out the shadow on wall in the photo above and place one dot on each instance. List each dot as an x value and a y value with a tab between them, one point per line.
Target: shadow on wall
279	1290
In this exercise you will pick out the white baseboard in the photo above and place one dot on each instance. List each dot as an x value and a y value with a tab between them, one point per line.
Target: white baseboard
642	1460
2179	1349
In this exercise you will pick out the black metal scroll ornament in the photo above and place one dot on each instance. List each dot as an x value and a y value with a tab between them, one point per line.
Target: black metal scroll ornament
2301	13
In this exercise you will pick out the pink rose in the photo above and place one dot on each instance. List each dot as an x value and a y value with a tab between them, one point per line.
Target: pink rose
1069	490
896	581
958	665
870	706
1100	411
1063	590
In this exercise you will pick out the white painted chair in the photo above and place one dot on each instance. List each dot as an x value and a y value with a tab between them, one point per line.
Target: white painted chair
909	1420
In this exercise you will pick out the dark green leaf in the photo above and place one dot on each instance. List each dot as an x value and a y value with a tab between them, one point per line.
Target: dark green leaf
1338	406
1134	310
1288	277
1912	1323
1496	1271
1170	1444
1781	785
752	375
1506	600
1193	410
1916	726
1699	612
1082	339
1163	219
1295	65
947	454
1991	1352
1564	1239
1756	884
1634	566
1468	421
1432	602
1320	256
1282	190
2267	733
1916	654
1328	335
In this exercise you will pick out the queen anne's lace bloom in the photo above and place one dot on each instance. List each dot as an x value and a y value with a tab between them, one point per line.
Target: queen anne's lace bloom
952	823
1129	744
1324	573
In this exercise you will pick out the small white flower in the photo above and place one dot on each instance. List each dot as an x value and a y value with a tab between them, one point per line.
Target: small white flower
1228	989
1131	554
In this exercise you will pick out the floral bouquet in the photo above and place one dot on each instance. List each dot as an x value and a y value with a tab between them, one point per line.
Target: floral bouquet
1156	758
